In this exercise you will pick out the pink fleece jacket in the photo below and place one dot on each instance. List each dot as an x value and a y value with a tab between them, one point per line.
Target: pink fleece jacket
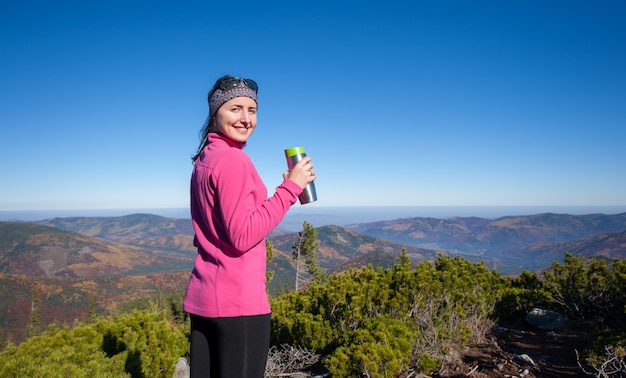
231	216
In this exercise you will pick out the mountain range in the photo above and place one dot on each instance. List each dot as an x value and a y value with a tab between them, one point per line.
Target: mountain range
514	242
71	262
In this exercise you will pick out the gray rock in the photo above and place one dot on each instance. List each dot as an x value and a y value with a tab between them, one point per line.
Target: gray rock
543	318
526	358
182	368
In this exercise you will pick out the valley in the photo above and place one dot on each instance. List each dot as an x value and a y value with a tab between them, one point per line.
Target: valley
76	265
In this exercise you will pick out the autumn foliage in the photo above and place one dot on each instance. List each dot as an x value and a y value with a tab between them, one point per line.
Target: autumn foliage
362	322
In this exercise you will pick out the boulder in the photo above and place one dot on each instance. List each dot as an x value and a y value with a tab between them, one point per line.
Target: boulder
543	318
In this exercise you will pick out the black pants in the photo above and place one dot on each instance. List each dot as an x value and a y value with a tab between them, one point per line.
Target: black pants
229	347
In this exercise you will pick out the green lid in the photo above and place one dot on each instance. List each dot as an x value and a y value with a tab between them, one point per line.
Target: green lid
293	151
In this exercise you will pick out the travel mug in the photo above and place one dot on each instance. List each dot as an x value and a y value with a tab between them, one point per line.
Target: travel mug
294	155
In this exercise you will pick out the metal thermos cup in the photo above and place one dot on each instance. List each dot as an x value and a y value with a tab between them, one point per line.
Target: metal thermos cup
294	155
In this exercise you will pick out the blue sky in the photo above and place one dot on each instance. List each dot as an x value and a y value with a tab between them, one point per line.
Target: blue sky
415	103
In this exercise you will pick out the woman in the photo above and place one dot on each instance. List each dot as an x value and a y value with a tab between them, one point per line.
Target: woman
232	214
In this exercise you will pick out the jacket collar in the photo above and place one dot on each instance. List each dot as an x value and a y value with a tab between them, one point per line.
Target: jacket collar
218	136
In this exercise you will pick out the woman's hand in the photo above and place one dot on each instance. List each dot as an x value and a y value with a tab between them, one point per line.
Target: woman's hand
302	173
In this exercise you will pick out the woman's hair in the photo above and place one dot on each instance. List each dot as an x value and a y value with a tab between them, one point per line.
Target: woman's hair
208	124
227	90
204	137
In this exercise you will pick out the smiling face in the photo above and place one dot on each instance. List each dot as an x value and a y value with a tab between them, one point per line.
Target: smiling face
236	118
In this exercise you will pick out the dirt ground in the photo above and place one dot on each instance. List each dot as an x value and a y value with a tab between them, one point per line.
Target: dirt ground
552	352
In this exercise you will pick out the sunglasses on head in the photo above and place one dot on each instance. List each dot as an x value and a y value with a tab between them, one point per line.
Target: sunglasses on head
232	82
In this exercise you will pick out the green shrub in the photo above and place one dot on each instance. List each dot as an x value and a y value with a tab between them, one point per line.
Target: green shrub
136	344
378	323
607	355
428	363
379	349
521	295
61	353
588	289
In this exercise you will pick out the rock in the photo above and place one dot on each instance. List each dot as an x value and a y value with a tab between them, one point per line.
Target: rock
182	368
543	318
526	358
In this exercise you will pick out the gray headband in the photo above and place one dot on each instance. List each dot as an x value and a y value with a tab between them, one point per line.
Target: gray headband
220	96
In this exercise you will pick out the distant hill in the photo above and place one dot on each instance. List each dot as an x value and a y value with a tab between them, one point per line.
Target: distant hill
340	249
113	260
70	261
378	259
66	270
337	245
506	240
47	251
505	243
607	246
65	300
136	229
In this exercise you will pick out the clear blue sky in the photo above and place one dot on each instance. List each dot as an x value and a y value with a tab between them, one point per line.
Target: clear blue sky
399	103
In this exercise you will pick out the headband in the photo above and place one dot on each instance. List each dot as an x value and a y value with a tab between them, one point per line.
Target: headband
220	96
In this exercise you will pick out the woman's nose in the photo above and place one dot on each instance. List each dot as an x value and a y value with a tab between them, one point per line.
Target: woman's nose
245	117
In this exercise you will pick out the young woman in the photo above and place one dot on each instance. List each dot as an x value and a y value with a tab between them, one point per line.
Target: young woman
232	214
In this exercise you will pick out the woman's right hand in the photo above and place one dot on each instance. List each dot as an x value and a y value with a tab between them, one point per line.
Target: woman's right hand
302	173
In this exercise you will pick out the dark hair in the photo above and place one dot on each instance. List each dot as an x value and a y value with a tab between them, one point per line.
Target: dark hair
208	124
